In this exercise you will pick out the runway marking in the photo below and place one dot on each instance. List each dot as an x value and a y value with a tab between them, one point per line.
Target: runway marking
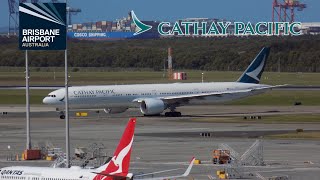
290	170
188	129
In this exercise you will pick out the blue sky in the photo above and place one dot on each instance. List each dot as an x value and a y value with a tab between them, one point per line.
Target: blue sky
239	10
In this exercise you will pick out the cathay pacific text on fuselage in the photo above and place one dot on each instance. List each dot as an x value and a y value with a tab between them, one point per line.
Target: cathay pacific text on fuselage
186	28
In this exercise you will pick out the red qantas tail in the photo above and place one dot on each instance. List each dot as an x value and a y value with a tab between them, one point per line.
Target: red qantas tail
119	164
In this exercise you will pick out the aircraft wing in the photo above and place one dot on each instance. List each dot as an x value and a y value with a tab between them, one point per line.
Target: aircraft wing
185	174
182	98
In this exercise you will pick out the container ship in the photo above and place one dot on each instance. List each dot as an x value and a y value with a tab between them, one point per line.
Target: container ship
111	30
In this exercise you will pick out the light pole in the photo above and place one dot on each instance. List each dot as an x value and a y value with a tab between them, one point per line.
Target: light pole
202	77
28	145
67	100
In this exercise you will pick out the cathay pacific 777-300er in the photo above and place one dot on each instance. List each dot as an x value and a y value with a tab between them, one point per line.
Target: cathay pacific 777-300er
154	99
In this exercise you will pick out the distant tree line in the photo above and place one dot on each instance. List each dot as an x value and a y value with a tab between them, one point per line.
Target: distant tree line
295	54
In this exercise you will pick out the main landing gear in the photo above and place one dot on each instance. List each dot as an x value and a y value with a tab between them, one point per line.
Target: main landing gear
152	115
172	112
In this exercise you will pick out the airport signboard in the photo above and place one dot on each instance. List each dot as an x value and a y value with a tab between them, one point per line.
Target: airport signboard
42	26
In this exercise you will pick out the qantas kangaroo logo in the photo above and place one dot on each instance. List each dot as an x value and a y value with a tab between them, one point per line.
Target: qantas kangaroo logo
115	164
118	166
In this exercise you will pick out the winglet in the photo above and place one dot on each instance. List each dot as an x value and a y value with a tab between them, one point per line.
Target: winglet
186	173
254	71
189	168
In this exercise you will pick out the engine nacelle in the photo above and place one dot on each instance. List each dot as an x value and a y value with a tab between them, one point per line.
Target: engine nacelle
152	106
115	110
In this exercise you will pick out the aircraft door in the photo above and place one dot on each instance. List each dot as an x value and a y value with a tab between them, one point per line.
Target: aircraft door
33	177
196	90
154	92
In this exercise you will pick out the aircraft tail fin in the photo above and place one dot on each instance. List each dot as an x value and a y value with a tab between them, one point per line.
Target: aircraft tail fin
119	163
254	71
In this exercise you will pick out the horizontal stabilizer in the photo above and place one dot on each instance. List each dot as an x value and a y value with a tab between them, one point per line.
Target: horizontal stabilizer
111	175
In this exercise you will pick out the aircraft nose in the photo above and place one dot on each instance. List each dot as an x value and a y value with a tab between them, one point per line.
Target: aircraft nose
45	100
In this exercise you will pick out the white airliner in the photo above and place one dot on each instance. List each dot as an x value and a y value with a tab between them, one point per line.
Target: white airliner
153	99
116	168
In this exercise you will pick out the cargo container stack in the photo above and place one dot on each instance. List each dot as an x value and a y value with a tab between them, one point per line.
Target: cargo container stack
108	30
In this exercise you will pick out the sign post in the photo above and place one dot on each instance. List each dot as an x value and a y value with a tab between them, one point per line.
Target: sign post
28	145
67	109
43	26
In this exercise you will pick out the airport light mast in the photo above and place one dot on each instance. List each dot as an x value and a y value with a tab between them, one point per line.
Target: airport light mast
67	100
170	70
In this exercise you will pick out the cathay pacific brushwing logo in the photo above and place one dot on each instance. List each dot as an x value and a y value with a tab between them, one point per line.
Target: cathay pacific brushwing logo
254	74
141	26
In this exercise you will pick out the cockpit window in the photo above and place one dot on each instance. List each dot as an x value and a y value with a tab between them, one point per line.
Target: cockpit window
50	95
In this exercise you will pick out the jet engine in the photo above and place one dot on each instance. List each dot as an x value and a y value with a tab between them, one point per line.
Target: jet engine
152	106
115	110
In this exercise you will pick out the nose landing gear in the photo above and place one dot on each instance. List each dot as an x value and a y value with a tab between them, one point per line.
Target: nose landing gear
62	115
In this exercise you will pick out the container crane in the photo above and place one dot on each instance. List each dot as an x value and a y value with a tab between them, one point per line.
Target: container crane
280	9
72	11
13	17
